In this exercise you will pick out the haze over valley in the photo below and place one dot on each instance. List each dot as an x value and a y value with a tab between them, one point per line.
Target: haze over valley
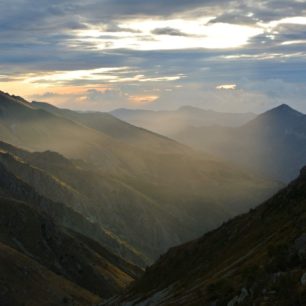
152	153
271	144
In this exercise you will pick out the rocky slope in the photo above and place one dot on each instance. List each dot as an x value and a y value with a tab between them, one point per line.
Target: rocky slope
255	259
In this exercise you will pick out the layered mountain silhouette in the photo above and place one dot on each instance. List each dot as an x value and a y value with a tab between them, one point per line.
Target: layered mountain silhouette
146	190
170	123
258	258
85	198
273	144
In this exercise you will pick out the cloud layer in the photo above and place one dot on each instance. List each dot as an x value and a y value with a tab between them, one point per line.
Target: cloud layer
105	54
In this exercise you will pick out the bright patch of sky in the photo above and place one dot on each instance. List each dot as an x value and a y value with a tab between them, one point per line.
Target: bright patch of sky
172	34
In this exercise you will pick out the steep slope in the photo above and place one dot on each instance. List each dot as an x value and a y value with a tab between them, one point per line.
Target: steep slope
48	193
170	123
43	263
152	193
43	287
255	259
273	144
69	182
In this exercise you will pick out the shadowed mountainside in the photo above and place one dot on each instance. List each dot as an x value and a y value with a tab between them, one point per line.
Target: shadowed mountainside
257	258
45	263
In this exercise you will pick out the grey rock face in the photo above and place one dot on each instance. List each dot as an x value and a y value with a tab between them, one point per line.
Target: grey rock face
300	245
303	279
238	299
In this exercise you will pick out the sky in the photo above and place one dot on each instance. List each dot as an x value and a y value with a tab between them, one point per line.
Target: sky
233	56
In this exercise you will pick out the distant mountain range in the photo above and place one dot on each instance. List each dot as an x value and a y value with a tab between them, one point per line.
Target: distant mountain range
255	259
85	197
170	123
143	181
273	144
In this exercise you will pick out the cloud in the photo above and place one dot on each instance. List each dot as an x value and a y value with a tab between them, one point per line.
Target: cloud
140	100
169	31
235	17
56	48
93	99
45	96
227	86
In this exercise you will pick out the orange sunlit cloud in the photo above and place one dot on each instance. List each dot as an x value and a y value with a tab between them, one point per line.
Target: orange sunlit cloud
142	99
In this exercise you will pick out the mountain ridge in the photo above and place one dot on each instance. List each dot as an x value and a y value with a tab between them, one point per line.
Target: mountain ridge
40	252
169	123
171	178
272	144
258	257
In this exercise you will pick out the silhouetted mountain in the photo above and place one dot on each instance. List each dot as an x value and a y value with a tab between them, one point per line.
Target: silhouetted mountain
170	123
113	127
146	191
255	259
273	144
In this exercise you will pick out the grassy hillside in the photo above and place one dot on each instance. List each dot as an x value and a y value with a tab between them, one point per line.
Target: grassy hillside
255	259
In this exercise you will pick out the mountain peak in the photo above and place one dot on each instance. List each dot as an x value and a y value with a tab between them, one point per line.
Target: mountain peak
280	118
284	109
